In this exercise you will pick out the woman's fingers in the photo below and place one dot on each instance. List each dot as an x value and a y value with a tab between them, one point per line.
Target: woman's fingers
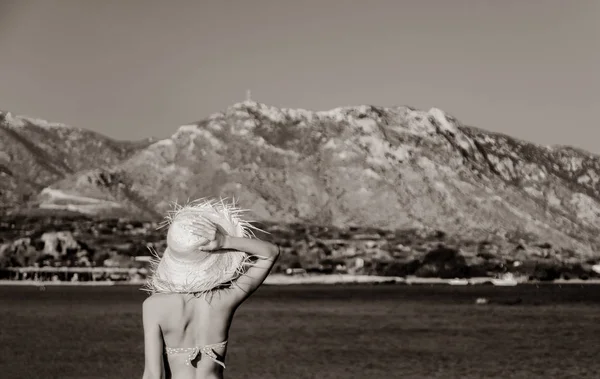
198	231
204	228
209	234
202	224
210	246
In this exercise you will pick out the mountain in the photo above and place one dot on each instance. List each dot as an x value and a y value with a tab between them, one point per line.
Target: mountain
35	154
391	168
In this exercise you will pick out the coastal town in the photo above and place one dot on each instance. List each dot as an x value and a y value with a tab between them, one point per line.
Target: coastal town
77	249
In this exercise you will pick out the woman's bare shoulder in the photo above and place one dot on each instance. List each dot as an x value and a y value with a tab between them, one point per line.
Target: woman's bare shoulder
159	301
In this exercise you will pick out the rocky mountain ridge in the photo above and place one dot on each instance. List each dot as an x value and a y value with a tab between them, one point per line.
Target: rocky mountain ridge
392	168
35	153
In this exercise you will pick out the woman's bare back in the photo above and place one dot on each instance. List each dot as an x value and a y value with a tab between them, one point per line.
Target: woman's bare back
191	332
195	332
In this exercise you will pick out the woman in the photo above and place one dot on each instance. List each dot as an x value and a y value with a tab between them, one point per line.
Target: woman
210	266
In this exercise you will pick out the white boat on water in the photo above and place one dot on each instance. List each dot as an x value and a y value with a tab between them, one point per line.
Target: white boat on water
505	280
596	268
458	282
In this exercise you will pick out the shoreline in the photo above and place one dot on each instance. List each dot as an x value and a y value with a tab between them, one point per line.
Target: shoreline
282	280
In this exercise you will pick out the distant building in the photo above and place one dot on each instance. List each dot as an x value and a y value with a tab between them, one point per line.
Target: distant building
359	263
144	258
110	263
295	271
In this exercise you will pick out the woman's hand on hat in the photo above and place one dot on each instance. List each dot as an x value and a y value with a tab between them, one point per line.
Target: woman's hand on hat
210	231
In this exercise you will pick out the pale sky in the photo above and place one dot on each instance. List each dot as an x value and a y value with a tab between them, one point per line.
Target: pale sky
138	68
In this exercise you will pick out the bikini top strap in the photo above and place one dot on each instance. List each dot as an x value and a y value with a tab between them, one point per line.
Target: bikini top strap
209	352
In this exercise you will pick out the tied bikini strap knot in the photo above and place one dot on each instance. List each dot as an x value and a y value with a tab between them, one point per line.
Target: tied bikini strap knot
209	352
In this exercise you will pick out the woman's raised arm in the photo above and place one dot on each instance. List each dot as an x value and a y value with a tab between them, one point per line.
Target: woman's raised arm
266	255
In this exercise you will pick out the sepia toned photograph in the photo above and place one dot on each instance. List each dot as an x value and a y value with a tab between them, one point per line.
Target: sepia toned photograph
277	189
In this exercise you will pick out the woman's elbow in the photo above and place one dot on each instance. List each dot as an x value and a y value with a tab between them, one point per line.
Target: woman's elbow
275	252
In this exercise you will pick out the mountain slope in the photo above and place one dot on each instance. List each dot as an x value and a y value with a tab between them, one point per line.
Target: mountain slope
386	167
35	153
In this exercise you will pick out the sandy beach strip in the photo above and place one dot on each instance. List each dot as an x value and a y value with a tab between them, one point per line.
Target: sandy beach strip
281	279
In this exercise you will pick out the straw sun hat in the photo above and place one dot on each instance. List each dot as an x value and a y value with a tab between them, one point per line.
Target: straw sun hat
183	267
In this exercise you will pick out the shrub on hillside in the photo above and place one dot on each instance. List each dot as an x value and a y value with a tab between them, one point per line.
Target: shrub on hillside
545	272
398	268
444	262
